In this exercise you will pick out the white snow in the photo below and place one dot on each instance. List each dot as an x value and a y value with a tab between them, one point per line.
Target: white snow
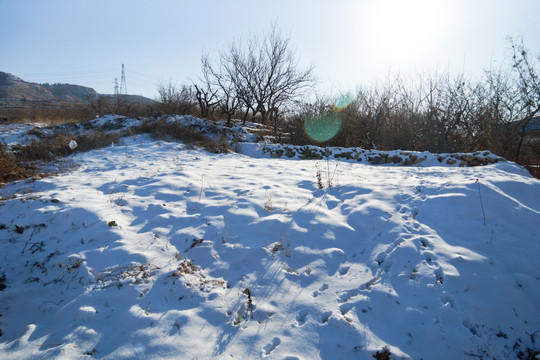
151	250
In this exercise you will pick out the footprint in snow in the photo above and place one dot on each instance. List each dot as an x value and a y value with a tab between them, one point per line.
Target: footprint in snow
370	283
301	318
380	258
331	204
439	273
447	301
344	270
321	290
272	346
403	209
325	316
323	287
387	264
347	295
376	237
425	243
344	308
429	258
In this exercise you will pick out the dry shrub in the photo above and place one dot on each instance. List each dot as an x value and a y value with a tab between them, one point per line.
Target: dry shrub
162	130
23	160
384	354
46	149
531	155
54	146
10	169
95	140
68	112
534	170
49	113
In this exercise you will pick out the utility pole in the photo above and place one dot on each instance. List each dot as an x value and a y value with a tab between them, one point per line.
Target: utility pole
115	86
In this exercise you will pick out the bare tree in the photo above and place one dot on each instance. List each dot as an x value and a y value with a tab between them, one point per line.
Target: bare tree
175	100
99	104
264	74
206	94
223	87
120	104
501	111
529	87
114	104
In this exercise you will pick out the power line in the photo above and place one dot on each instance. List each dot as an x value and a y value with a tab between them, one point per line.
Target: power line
66	74
141	76
95	78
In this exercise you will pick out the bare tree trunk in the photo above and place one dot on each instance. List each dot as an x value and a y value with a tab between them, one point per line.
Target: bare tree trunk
244	118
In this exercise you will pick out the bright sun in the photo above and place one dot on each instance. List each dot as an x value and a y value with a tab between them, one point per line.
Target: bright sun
404	32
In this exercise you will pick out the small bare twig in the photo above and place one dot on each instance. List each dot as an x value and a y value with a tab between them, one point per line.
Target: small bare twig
481	201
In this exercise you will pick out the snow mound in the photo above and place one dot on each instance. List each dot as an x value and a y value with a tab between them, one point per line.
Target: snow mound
250	139
149	249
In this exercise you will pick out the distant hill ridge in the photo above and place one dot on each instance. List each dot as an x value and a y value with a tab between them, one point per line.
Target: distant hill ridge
14	88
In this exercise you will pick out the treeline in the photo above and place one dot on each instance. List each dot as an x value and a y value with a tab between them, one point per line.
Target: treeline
438	113
260	81
62	111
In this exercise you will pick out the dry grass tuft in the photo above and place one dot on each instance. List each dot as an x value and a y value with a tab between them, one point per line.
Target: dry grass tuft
125	275
192	276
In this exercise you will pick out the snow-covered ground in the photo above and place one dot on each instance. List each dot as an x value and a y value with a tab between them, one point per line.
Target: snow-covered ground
148	249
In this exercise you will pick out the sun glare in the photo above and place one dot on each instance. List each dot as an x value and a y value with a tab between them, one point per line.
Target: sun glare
404	33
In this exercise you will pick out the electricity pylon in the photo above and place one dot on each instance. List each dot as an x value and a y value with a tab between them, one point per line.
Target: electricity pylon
123	86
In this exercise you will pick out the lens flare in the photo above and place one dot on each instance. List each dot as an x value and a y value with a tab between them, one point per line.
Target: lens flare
342	102
323	128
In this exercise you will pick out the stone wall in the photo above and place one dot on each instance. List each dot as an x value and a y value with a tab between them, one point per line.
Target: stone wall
375	157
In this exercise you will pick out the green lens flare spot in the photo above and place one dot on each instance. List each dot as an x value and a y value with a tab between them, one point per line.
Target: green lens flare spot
323	128
342	102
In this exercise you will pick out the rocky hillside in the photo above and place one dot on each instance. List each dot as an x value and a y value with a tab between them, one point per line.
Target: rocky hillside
14	88
71	92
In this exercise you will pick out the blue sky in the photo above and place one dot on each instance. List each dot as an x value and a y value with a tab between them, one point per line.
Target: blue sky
351	43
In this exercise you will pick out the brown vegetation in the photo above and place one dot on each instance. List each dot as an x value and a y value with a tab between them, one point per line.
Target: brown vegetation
57	145
23	161
65	112
10	168
163	130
